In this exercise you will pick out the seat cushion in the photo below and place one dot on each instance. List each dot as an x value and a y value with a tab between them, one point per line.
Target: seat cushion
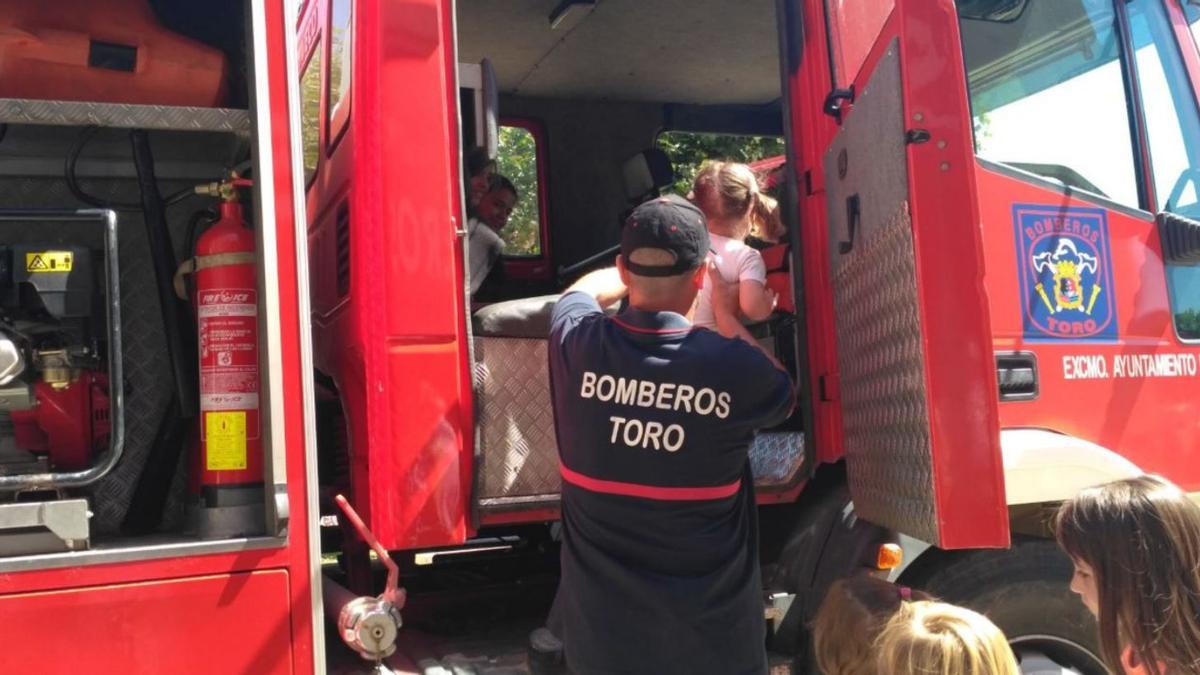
521	318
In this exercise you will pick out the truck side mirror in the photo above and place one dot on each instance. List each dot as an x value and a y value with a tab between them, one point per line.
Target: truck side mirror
1180	238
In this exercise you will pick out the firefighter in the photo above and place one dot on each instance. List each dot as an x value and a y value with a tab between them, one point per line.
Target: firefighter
654	421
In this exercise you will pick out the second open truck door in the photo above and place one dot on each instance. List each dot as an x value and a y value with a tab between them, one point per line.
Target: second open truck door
916	376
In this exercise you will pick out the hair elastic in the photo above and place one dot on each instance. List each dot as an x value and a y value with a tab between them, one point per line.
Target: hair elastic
905	593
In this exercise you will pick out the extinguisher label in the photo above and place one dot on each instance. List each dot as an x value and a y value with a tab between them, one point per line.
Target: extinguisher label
228	330
225	433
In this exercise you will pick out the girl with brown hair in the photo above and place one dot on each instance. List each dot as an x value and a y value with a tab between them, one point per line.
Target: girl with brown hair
851	616
1136	548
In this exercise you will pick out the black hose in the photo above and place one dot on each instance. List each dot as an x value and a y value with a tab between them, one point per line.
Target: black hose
73	183
69	172
176	316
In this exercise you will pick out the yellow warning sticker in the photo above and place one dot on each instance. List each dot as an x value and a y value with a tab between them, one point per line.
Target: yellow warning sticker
48	261
225	434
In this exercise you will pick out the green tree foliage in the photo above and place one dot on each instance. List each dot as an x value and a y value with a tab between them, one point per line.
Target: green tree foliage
310	113
689	150
517	161
1188	324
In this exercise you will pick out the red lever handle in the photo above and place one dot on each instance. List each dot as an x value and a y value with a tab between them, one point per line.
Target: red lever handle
391	592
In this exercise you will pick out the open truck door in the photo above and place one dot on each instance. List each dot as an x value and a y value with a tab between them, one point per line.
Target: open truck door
917	375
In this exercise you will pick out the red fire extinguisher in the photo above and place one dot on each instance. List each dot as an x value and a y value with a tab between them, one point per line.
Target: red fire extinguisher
230	473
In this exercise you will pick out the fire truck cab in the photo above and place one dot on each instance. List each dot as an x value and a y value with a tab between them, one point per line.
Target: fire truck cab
991	283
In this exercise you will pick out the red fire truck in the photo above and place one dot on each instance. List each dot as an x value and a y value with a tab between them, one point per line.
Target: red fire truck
232	287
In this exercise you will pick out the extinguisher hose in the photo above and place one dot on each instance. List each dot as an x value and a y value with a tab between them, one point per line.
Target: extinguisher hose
176	319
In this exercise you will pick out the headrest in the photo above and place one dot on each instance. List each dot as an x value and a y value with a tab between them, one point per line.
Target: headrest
645	172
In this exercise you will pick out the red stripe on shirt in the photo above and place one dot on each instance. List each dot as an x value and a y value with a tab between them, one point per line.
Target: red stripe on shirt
651	331
668	494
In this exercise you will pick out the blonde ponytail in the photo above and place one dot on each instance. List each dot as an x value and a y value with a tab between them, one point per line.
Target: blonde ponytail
727	193
765	222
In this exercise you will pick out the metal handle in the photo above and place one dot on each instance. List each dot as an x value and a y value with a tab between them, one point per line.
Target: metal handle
391	592
116	377
853	215
1016	375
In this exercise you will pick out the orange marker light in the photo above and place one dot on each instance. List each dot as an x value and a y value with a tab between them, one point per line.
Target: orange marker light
889	557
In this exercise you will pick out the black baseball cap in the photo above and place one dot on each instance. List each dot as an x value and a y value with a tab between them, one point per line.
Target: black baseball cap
671	223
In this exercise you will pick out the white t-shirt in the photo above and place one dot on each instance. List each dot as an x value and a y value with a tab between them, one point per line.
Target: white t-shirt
484	247
736	262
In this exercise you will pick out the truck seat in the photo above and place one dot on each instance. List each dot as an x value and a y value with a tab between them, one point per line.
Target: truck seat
517	450
520	318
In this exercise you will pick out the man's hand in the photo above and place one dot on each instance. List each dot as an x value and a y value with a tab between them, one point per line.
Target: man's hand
604	285
724	296
724	299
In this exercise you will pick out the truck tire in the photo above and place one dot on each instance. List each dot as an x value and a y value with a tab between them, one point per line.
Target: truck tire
1025	590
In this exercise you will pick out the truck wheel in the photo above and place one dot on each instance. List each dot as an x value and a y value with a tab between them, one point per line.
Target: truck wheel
1025	590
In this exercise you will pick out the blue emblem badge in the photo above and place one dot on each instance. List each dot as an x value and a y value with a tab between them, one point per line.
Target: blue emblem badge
1065	272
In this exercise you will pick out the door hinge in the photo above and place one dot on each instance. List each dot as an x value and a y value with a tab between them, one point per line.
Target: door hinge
814	182
835	102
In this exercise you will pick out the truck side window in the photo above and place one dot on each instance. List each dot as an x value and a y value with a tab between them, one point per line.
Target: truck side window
518	160
1172	124
1048	96
339	63
310	113
1171	115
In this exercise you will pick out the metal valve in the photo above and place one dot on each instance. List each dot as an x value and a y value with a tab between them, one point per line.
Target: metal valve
368	625
225	189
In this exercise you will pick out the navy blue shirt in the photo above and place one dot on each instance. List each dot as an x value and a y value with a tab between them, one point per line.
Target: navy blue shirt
660	553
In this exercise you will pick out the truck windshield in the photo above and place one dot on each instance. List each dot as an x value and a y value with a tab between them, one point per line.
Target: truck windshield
1049	96
1049	83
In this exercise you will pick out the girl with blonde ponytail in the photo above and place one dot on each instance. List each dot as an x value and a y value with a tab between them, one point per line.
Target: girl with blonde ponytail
728	195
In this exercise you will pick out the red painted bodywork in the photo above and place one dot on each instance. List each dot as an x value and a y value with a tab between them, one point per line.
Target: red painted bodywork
395	345
854	27
225	623
237	612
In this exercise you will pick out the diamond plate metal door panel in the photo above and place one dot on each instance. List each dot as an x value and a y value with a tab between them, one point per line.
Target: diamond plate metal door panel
920	432
518	453
885	415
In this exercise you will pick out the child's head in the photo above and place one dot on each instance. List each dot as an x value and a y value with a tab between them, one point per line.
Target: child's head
853	613
728	195
1136	548
480	169
498	203
934	638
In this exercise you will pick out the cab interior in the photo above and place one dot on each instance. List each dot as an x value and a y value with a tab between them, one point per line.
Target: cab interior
596	83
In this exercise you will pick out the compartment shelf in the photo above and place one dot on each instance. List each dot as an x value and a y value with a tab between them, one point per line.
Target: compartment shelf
125	115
